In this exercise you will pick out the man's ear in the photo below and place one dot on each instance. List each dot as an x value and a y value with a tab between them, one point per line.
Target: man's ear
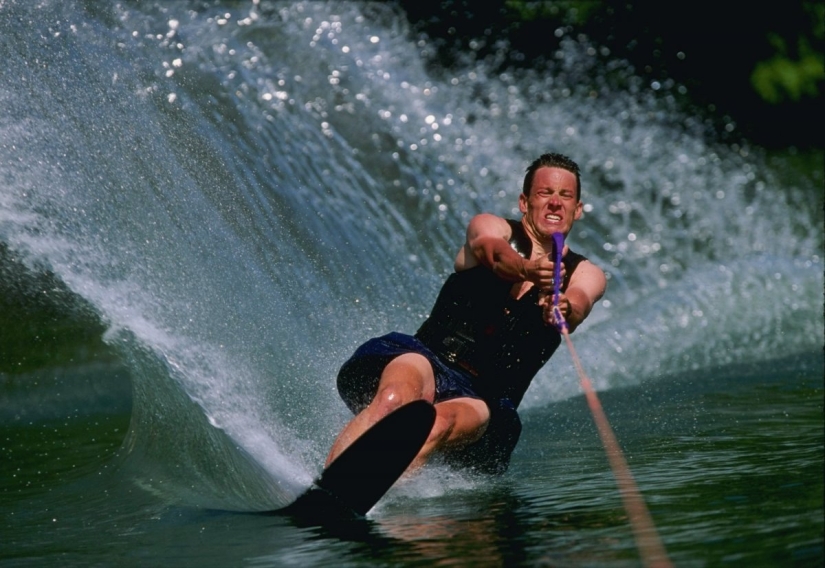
522	203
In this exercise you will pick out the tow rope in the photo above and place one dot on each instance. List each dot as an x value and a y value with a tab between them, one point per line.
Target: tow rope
651	549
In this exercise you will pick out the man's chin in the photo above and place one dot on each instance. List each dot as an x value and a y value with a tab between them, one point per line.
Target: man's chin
551	229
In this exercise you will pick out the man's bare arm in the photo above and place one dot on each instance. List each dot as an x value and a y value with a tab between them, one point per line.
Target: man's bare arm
586	287
488	244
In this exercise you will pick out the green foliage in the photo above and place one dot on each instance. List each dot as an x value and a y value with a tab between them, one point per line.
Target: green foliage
791	76
780	79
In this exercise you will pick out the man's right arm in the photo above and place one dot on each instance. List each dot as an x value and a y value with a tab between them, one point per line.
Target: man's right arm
488	243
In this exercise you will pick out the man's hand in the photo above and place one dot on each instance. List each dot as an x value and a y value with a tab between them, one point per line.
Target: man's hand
586	286
546	303
540	272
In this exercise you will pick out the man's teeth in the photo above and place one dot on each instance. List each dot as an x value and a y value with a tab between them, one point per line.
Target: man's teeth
552	217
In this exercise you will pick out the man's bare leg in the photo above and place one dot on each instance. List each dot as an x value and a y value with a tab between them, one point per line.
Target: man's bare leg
458	422
407	378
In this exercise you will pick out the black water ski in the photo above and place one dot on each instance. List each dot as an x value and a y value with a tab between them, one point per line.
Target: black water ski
365	471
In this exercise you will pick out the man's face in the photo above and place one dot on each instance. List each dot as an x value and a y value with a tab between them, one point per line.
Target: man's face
552	205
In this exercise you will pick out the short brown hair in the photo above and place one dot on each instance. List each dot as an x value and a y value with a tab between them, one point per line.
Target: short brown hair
552	160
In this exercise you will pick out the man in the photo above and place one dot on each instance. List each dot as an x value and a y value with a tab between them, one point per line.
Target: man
490	331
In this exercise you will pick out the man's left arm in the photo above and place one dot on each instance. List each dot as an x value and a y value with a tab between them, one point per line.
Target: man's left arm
587	284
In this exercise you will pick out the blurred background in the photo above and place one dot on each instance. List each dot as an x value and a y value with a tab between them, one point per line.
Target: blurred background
756	70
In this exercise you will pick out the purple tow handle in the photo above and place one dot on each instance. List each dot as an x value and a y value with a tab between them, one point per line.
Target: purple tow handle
558	250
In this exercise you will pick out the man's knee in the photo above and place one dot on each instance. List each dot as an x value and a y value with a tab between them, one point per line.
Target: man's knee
406	378
390	398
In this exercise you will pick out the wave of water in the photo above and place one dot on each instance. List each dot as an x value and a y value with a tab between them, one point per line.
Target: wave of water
246	191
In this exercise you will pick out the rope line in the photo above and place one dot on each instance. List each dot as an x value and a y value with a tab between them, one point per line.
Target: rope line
651	549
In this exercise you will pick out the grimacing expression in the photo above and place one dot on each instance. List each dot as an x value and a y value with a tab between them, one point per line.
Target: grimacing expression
552	205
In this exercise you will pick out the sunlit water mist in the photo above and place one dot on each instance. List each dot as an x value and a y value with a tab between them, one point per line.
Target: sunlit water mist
246	193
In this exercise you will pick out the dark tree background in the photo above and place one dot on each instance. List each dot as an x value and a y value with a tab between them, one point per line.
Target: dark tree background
757	65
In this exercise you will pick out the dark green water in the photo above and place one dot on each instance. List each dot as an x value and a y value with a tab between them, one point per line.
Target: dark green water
730	464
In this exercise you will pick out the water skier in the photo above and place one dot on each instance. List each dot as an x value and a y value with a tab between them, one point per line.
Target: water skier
490	331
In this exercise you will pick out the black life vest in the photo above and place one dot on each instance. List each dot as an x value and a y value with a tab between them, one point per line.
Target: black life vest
478	326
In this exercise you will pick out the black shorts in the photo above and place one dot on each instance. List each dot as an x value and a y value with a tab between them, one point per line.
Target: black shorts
359	376
358	383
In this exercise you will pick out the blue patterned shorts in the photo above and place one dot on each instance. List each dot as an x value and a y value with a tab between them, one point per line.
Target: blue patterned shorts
359	376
